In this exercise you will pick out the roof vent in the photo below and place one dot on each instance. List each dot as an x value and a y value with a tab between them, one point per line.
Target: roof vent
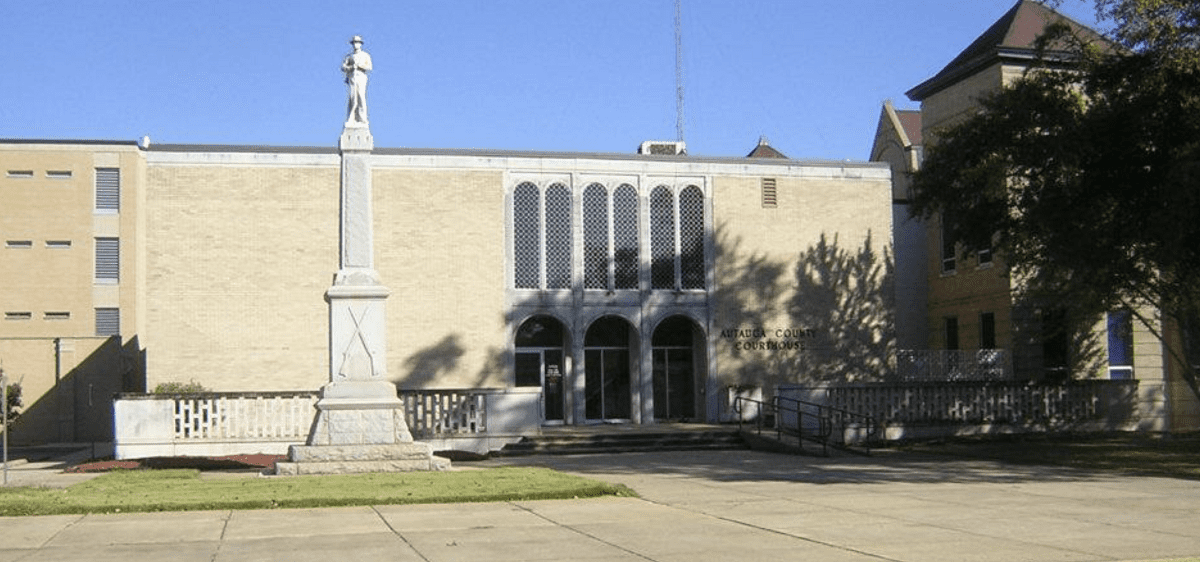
664	148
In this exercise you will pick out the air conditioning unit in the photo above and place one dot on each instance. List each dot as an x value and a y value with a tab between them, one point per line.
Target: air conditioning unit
664	148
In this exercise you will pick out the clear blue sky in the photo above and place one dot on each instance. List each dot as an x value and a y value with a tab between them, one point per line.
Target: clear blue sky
592	75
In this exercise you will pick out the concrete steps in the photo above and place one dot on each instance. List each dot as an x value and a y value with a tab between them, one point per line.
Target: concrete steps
623	441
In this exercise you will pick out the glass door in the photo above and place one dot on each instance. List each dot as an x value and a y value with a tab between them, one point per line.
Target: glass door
552	385
544	368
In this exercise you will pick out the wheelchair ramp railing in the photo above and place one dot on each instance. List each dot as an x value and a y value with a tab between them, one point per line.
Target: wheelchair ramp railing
804	421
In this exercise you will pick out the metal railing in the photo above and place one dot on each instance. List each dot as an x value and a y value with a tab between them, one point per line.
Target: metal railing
818	423
941	365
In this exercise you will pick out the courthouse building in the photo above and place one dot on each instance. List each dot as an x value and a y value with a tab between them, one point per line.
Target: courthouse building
612	287
971	302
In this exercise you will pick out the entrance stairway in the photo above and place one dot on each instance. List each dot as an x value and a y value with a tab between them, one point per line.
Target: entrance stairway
608	439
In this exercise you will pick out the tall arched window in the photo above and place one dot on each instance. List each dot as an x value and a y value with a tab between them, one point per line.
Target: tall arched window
691	238
595	237
526	237
558	237
662	238
625	237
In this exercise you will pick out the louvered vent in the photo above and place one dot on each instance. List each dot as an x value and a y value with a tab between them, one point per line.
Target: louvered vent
108	189
770	196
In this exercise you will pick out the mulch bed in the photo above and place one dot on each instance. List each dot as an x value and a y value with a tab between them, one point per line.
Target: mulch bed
233	462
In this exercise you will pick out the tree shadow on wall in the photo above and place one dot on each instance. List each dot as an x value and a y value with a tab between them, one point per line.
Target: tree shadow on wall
425	367
838	306
850	294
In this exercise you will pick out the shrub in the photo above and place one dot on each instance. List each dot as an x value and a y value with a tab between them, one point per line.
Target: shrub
176	387
14	403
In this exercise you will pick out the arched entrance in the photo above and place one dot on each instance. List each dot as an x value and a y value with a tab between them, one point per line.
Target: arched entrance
541	361
607	389
673	347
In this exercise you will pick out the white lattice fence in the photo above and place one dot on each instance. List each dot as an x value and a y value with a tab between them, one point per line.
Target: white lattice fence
249	416
979	402
441	413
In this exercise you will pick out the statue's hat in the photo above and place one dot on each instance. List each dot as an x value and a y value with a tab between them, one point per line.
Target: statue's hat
356	39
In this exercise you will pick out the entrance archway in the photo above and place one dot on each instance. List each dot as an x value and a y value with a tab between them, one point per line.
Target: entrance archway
607	388
675	357
541	361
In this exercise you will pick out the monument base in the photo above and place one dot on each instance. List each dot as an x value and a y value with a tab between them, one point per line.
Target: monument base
347	459
359	427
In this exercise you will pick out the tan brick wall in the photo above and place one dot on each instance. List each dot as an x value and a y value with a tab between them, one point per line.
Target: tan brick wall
240	258
757	251
238	261
439	247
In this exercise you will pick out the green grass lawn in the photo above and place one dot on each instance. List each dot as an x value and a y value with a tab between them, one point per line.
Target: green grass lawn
1174	456
184	490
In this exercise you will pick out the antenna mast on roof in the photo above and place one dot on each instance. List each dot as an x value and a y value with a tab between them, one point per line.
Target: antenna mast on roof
678	71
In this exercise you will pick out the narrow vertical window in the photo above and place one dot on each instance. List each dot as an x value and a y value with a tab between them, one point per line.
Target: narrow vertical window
526	237
108	260
625	237
770	196
662	238
952	333
1120	344
987	330
108	189
558	237
108	321
949	249
691	238
595	237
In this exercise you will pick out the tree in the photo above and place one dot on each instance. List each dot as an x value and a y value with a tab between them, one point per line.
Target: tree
1087	179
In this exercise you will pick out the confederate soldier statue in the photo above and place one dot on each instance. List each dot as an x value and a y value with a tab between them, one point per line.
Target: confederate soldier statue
356	66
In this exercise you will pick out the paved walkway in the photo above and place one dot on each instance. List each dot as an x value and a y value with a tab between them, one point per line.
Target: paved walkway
728	505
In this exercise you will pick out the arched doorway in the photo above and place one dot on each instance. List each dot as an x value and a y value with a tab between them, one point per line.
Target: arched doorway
673	347
607	389
541	361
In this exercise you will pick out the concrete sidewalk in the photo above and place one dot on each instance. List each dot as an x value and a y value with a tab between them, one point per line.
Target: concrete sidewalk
726	505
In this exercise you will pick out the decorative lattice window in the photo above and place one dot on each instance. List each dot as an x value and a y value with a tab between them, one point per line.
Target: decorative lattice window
691	238
526	237
558	237
662	238
625	237
595	237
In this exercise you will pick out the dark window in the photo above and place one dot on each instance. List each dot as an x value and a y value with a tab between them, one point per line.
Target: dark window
952	333
987	330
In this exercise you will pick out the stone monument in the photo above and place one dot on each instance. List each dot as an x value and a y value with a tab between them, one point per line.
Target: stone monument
359	426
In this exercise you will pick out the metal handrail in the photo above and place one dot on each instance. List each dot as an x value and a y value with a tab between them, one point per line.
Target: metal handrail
839	417
825	420
820	436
